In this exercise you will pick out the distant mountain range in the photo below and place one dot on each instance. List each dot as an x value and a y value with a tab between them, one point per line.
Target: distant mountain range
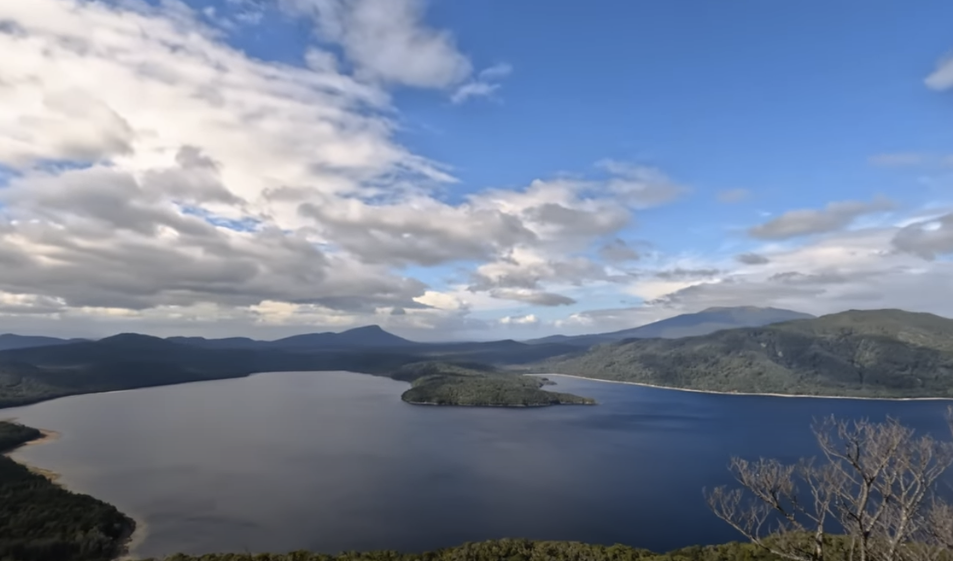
876	353
373	336
369	336
685	325
10	341
888	353
129	360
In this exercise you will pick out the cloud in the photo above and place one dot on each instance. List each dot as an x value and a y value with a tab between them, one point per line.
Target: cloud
524	275
618	251
557	216
96	237
169	174
797	278
835	216
527	320
532	297
899	159
180	185
395	234
848	269
178	180
388	40
752	259
485	84
67	124
926	238
679	274
911	159
942	77
641	186
733	195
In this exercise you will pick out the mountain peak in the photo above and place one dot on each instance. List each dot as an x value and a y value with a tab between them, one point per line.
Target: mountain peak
367	329
133	339
735	309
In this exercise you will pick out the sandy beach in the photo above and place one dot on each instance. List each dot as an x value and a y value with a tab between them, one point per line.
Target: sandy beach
135	540
48	436
751	394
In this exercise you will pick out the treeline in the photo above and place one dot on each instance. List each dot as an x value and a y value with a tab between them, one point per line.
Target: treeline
41	521
514	550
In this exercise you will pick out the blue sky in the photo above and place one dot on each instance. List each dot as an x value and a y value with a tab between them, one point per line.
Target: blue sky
811	134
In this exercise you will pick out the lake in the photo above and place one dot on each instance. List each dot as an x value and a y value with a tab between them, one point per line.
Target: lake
330	461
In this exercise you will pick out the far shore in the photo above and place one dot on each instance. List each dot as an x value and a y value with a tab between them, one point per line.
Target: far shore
712	392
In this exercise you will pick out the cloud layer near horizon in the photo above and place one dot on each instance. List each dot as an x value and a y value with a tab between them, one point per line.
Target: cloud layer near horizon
176	184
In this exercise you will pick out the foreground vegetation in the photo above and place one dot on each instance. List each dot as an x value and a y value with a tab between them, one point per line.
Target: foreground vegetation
881	353
514	550
40	521
434	383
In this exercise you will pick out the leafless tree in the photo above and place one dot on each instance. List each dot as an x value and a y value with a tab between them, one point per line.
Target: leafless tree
876	484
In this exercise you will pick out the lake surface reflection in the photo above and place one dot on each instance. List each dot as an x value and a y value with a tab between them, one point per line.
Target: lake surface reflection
330	461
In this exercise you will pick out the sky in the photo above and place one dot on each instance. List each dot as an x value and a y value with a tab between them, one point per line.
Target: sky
468	170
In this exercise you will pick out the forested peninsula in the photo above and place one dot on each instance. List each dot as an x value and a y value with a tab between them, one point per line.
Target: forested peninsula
436	383
41	521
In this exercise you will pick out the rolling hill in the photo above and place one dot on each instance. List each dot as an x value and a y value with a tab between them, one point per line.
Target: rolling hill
10	341
368	336
131	360
707	321
878	353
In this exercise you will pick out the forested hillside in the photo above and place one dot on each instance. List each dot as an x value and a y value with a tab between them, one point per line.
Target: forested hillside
882	353
704	322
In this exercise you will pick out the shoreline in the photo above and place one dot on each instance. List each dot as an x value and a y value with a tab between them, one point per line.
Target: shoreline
130	542
133	540
48	436
747	394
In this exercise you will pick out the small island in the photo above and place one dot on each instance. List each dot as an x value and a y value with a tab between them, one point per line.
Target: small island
436	383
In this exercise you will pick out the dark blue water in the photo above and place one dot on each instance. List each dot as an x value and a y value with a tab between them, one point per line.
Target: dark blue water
334	461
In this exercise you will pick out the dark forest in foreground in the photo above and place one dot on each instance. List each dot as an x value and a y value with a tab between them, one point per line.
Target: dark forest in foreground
514	550
41	521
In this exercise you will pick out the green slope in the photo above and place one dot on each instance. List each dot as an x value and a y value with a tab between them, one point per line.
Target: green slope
880	353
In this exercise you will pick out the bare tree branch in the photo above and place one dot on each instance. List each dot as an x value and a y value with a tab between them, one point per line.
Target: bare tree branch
877	481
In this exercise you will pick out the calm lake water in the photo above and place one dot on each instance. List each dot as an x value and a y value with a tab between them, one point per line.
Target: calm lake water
330	461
